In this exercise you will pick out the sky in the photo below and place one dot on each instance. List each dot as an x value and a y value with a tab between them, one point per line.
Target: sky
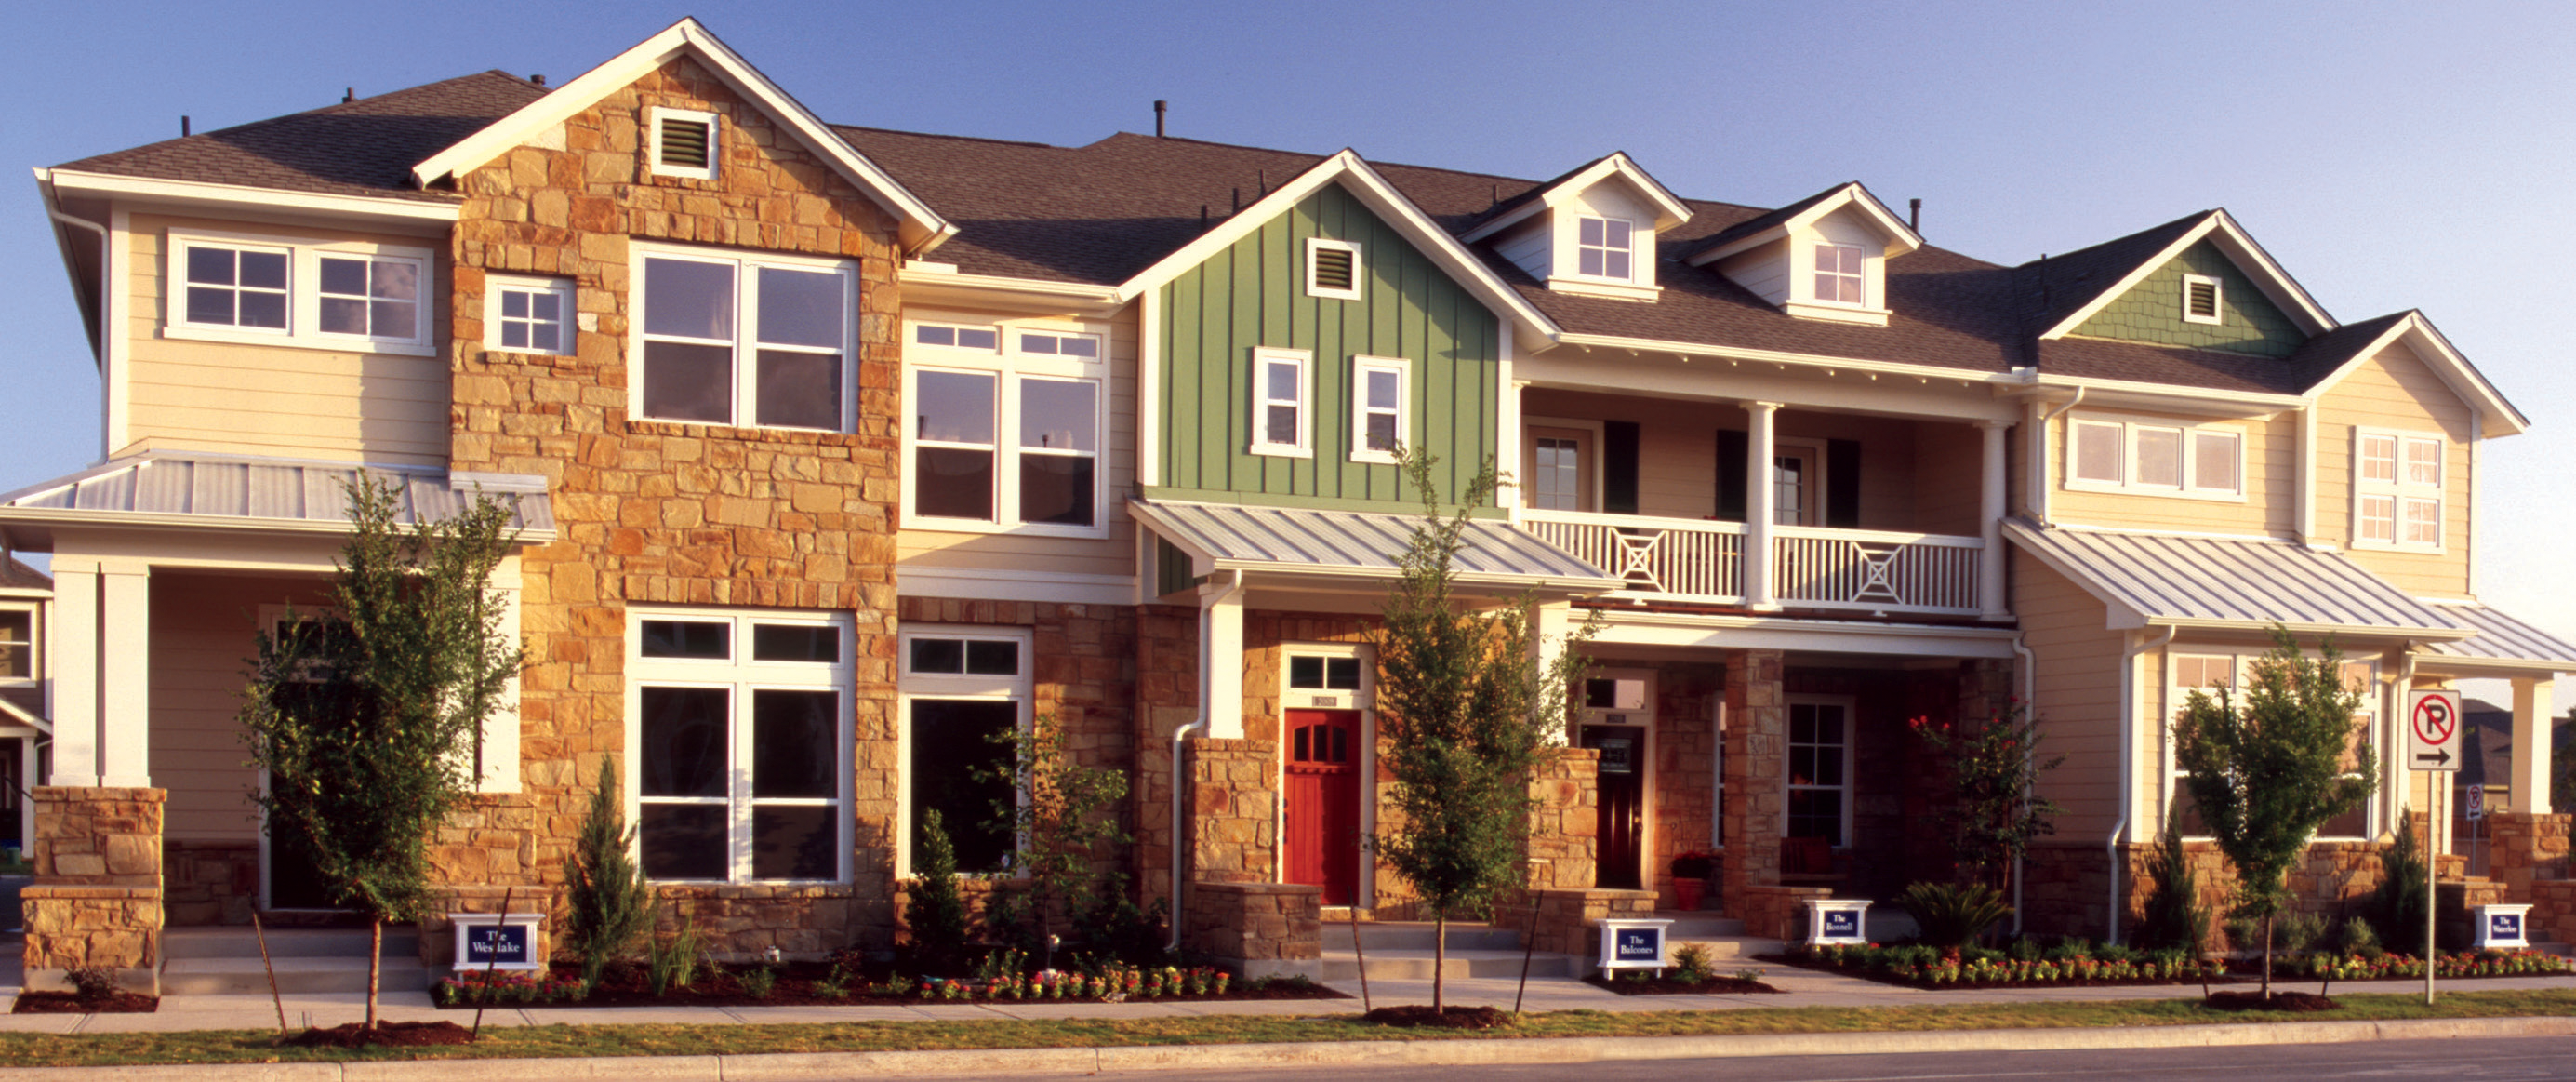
2391	156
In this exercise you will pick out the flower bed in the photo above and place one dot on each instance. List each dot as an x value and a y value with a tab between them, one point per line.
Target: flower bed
2080	964
2323	965
822	984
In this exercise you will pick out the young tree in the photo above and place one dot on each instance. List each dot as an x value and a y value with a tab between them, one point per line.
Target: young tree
363	720
607	904
1065	817
933	909
1993	811
1466	707
2267	770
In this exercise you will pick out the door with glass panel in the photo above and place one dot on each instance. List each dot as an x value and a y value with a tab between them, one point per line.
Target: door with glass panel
1560	467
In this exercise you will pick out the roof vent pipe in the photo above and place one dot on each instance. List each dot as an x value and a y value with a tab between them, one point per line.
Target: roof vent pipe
538	80
1160	106
183	125
1914	215
348	94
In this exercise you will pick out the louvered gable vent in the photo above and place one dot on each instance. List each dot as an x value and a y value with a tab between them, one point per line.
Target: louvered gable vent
684	143
1332	269
2199	299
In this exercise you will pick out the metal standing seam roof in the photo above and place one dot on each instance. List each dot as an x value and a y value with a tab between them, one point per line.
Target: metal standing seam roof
220	487
1292	539
2224	582
2502	638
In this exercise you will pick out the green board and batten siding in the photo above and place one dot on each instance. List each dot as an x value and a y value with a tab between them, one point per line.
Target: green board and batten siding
1253	294
2151	311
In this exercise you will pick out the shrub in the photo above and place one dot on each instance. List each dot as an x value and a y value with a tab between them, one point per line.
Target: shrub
2296	932
92	983
1694	962
933	910
1952	915
606	903
673	963
2359	938
2023	949
2072	949
759	981
2174	918
2396	909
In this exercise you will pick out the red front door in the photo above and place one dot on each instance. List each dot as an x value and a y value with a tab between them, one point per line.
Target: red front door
1324	801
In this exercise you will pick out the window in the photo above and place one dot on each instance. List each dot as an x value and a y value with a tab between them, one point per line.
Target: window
2213	673
1006	438
17	644
1279	389
965	692
741	762
1603	248
1378	408
745	341
2397	489
1560	469
321	295
1819	769
2155	458
1310	673
1839	274
528	315
2200	299
1328	677
684	143
1795	481
1332	269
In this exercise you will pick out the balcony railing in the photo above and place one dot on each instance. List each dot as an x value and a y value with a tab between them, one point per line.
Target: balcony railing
1811	567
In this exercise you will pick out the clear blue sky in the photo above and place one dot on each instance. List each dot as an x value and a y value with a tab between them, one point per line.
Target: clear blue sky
2390	155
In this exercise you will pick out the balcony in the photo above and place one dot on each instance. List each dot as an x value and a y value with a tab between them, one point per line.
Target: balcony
1702	562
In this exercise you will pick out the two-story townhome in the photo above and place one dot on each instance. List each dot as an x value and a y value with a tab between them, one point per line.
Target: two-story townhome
839	450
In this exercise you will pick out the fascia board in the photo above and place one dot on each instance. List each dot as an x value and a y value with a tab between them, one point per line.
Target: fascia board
1373	576
1084	297
1508	219
233	196
1663	198
1696	630
50	517
1849	195
1670	211
18	715
2499	415
2476	667
924	229
2284	291
1769	356
1381	197
2342	631
2170	392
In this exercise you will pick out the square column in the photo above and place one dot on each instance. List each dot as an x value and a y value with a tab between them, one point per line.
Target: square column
1757	801
102	664
1221	655
2530	773
1990	512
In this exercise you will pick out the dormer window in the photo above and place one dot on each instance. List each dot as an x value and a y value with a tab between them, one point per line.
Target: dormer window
1604	248
1841	272
2200	299
1824	257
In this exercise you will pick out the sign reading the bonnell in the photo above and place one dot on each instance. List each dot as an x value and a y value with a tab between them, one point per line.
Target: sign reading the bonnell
1841	922
506	944
1640	945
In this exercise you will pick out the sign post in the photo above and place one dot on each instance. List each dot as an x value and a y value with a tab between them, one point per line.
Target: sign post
2432	746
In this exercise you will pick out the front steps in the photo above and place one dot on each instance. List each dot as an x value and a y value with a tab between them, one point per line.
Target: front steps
222	961
1401	950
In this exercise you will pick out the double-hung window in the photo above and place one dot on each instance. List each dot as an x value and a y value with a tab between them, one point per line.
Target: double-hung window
1819	769
740	723
1840	274
965	691
752	341
528	315
1605	248
2166	458
1282	387
1379	406
2397	489
1005	428
323	295
17	645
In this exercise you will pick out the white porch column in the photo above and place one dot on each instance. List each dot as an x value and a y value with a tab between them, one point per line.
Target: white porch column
1549	624
73	652
1221	655
2531	771
1990	511
1759	509
125	675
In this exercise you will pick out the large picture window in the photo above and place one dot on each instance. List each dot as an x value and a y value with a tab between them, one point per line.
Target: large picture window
739	723
1005	428
965	691
745	341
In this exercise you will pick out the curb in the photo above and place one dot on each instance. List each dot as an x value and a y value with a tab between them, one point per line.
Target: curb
1338	1054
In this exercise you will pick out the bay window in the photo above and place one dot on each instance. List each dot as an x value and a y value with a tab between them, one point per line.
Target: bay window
740	726
1005	428
750	341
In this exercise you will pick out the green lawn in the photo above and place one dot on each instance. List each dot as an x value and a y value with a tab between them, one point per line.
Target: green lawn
240	1046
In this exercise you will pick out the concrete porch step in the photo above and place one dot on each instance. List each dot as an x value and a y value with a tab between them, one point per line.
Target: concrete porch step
1416	965
1697	924
1731	949
232	941
296	975
1419	935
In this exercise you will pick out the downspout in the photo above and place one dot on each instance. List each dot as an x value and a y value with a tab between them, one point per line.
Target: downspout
2038	469
1179	734
2128	761
1207	601
2029	702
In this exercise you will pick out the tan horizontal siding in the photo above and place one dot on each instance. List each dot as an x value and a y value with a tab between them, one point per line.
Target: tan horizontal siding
2076	693
2397	390
202	638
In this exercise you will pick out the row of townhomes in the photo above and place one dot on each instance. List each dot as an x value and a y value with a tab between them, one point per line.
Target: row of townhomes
837	449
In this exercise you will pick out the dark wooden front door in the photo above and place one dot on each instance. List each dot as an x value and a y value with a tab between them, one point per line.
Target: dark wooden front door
1324	802
1623	803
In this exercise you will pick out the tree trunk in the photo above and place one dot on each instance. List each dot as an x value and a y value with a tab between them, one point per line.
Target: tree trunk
375	965
2267	957
1439	956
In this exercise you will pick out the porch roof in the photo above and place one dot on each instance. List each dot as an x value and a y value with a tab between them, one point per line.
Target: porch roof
2163	580
1296	540
184	489
2502	641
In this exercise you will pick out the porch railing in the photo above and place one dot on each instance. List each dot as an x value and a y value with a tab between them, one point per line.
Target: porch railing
1812	567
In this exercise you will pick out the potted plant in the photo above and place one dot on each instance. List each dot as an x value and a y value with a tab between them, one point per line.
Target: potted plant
1690	876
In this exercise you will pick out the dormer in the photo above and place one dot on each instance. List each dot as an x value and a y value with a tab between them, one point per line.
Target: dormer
1822	257
1591	231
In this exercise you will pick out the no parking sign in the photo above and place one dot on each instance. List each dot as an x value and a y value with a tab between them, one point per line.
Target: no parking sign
2433	729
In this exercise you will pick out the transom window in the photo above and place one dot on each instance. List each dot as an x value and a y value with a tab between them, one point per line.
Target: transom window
1378	398
965	691
1604	248
739	723
363	297
528	315
745	341
1279	397
1006	438
2397	489
1819	769
1839	274
2156	458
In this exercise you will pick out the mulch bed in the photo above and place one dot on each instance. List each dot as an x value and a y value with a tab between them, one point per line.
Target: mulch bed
2280	1001
632	986
1672	986
1885	977
1419	1016
73	1003
385	1035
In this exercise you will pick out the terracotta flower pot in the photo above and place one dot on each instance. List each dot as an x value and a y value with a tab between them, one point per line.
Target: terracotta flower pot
1690	891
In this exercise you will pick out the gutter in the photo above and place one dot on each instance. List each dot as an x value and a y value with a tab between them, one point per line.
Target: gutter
2128	764
2037	467
2029	701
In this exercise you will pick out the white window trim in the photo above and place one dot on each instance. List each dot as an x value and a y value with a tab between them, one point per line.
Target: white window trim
1851	761
1574	248
1314	288
1812	272
1361	366
35	643
2127	485
562	288
746	376
1363	697
303	293
2402	491
1020	688
2217	297
715	142
2241	670
1007	366
741	675
1262	356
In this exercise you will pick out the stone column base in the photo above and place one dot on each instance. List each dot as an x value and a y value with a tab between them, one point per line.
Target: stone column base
1569	919
1257	929
1777	912
69	928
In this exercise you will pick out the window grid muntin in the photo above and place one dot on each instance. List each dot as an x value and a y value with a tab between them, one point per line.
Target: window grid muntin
295	301
2398	497
1605	248
1807	746
1372	413
2112	455
1281	404
517	309
1841	274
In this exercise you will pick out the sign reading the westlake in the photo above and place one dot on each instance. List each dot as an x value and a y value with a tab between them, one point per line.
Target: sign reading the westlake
501	944
2432	730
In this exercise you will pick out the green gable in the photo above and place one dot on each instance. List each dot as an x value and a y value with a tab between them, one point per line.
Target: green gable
1252	295
2151	311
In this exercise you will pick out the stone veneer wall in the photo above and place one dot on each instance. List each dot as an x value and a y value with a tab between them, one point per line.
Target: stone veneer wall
2066	888
2526	849
1568	919
1757	733
1773	911
667	513
1563	848
1685	738
209	881
96	899
1234	811
1257	929
1167	692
